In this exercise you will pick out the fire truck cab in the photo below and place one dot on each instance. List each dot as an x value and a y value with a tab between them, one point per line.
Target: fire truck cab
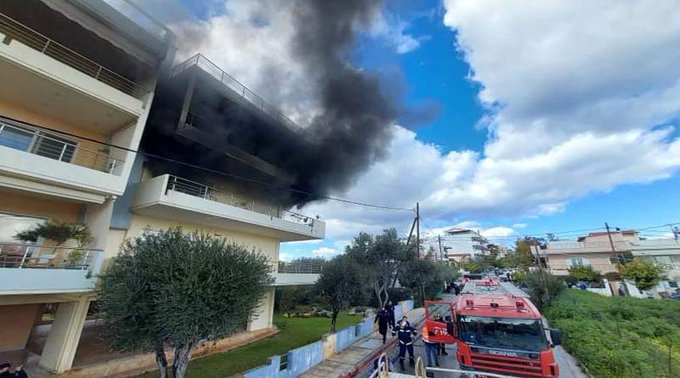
496	328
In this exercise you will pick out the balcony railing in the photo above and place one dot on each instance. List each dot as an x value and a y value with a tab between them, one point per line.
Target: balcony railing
31	256
182	185
300	267
50	144
226	79
14	30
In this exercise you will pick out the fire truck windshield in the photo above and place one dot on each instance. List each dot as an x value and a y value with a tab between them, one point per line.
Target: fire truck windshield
503	333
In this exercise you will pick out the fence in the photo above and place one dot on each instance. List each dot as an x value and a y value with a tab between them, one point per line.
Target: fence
300	360
14	30
33	256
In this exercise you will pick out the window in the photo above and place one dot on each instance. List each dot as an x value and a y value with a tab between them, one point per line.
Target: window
40	143
578	261
504	333
11	224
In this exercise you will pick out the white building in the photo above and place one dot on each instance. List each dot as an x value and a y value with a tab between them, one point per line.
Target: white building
461	244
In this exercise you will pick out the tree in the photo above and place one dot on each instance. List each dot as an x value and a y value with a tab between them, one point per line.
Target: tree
379	258
173	289
421	276
472	266
543	287
524	249
584	273
645	274
340	283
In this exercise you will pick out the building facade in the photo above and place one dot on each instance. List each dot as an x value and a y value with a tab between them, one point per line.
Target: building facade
87	89
461	244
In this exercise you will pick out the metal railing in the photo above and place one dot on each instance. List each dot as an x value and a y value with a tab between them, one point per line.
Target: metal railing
182	185
24	137
140	17
14	30
300	267
32	256
240	89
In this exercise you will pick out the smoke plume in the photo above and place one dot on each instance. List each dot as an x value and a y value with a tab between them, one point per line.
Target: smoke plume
352	129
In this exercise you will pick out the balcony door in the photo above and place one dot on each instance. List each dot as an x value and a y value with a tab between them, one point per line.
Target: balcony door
36	142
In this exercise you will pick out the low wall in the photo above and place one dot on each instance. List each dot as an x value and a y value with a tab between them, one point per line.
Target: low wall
304	358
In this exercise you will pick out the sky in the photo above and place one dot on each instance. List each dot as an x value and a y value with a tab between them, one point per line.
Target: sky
518	118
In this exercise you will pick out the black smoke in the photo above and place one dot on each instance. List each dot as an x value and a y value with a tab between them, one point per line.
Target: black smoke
349	133
353	129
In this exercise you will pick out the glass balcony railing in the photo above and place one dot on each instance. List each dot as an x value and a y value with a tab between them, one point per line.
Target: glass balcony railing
182	185
34	256
51	144
14	30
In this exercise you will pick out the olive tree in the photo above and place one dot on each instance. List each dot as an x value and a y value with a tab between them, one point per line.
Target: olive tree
340	283
171	289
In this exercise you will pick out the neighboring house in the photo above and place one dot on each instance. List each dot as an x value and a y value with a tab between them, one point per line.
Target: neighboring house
79	97
594	249
462	244
77	77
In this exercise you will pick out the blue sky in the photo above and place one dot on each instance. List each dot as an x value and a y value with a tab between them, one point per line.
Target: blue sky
518	118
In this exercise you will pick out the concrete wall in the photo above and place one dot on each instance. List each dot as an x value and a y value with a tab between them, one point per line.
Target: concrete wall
16	322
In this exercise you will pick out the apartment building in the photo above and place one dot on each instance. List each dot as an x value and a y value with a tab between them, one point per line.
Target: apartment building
665	252
462	244
78	80
231	181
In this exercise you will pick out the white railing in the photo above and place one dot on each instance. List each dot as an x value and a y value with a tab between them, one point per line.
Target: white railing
619	246
24	137
14	30
32	256
182	185
300	267
240	89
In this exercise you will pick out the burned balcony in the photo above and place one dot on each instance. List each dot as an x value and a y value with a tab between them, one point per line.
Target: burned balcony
174	197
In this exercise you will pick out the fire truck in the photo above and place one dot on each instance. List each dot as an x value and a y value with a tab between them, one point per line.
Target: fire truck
496	329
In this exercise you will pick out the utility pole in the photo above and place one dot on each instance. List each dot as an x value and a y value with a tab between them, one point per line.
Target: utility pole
418	229
611	242
441	254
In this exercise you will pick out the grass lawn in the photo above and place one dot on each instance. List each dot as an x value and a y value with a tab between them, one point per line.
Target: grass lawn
294	332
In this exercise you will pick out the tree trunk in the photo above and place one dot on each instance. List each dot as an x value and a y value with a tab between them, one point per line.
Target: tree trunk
182	358
161	361
334	320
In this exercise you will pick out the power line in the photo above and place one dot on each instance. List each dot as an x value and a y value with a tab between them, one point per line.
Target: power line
243	178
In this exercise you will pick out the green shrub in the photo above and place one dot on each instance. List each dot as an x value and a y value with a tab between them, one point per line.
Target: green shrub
543	287
618	336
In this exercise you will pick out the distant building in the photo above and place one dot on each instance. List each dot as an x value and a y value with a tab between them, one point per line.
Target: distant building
460	244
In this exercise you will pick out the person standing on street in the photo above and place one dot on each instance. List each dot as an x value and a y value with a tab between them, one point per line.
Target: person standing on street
383	320
389	307
430	348
405	335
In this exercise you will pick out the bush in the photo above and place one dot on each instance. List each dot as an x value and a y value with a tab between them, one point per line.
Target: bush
543	287
585	273
618	336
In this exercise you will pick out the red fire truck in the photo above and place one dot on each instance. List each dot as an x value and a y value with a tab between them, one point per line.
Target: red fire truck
496	328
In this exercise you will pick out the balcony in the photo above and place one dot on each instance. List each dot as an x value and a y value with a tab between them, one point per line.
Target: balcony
586	247
40	73
48	162
42	269
170	197
297	273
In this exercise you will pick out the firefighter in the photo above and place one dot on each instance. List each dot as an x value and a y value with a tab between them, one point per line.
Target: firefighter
405	335
383	319
430	347
389	307
441	347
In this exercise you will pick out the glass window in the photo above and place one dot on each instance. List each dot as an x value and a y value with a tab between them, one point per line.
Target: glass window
54	147
15	137
503	333
440	311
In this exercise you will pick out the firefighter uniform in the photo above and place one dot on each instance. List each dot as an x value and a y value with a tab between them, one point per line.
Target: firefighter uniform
405	335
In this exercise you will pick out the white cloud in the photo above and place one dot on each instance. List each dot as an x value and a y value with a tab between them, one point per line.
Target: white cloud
582	96
325	252
393	30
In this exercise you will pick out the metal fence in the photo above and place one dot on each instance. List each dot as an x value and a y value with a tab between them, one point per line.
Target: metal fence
14	30
68	149
302	267
182	185
34	256
212	69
